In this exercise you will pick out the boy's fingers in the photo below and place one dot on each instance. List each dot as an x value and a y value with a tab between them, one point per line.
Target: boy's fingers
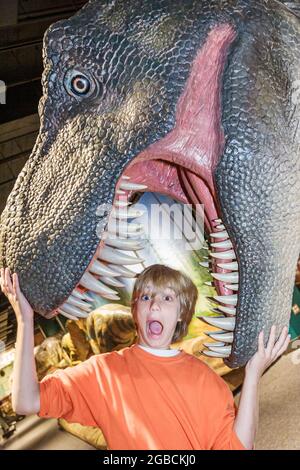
8	284
281	340
261	345
15	284
271	341
3	281
284	347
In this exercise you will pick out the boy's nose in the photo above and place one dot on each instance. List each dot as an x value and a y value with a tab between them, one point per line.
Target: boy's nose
154	305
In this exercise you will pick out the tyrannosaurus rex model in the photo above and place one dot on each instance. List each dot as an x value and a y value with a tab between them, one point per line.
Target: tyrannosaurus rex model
199	100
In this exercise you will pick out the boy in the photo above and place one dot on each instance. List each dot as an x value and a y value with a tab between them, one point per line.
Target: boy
146	396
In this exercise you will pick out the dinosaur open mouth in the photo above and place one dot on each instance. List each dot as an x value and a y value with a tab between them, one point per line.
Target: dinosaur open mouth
111	259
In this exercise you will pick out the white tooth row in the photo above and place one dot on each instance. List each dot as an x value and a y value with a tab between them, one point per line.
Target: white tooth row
110	260
223	338
219	349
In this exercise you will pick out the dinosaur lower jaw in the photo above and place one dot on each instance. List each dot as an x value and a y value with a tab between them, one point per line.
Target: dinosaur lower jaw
111	259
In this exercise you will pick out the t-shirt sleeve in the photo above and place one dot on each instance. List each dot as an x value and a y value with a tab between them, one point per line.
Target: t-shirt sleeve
225	438
73	394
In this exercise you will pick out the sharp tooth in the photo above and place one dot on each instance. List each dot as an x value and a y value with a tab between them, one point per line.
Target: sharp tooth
217	343
204	247
204	264
77	294
122	271
111	255
116	226
228	310
226	323
209	353
130	213
227	299
218	221
119	191
100	268
88	297
234	287
138	236
221	349
226	277
223	254
209	333
125	177
121	203
132	186
72	310
220	227
224	244
231	266
79	303
222	234
126	244
82	295
222	336
208	283
112	282
112	297
90	282
67	315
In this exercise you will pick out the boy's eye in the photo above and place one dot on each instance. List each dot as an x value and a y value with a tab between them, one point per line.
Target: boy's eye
168	297
145	297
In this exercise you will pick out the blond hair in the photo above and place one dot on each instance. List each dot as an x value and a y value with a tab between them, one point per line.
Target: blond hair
161	277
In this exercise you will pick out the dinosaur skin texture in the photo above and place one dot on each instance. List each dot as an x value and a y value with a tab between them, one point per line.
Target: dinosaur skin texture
199	100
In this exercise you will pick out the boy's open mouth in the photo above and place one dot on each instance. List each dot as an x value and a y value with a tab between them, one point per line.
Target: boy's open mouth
154	328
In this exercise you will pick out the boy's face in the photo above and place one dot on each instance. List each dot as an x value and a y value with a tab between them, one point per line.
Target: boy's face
157	314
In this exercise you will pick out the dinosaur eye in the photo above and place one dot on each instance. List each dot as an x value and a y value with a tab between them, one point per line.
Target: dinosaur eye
79	84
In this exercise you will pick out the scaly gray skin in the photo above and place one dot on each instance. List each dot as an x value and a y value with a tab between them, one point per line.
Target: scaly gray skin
138	55
257	178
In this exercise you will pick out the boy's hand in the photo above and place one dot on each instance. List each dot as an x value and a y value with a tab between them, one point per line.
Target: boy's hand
264	357
10	287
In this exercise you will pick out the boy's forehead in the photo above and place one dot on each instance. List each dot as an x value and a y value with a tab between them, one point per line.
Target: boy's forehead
151	287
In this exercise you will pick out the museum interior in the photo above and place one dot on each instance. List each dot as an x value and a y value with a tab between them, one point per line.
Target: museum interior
100	321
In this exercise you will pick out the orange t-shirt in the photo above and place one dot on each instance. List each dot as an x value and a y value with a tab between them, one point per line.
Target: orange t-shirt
143	401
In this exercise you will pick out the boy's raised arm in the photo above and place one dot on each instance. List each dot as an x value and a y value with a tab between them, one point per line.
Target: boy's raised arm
247	417
25	387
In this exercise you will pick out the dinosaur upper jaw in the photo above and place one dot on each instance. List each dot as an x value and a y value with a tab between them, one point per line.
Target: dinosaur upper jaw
180	165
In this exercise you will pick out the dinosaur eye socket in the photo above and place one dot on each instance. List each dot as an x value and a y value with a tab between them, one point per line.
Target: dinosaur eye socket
80	85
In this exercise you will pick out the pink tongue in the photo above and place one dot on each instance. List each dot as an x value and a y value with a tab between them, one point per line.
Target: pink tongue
155	327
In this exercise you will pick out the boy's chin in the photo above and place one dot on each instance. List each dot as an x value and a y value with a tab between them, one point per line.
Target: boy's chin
158	343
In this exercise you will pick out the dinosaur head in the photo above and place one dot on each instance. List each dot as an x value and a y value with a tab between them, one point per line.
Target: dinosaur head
198	100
